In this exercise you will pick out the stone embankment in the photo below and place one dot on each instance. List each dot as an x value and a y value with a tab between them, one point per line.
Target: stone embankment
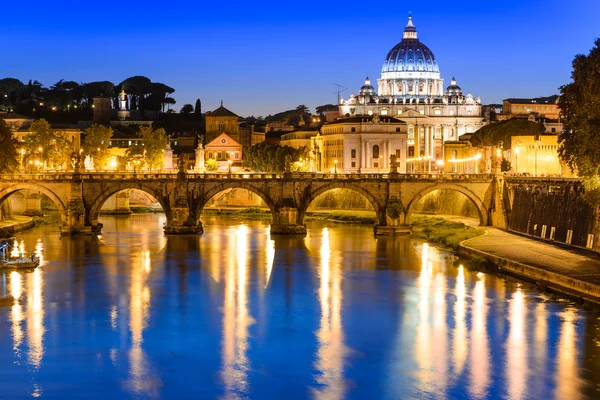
569	271
9	227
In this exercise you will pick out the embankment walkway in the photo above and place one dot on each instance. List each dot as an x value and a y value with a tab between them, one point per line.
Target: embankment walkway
572	271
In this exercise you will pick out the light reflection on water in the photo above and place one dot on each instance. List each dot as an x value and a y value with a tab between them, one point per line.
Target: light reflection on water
236	313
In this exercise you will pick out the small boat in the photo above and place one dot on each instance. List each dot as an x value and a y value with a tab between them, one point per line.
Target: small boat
21	263
17	262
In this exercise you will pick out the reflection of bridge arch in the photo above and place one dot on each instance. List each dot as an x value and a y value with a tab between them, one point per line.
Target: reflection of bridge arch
62	209
477	202
312	195
212	191
98	202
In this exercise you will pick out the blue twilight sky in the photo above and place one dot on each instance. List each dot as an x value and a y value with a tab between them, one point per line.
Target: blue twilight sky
262	57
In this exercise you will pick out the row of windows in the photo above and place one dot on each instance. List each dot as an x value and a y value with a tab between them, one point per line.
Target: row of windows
224	155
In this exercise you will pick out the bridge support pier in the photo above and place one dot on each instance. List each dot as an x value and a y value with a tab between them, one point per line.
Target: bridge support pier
75	219
285	222
182	223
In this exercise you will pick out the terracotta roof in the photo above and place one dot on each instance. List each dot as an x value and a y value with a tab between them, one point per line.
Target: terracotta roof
221	112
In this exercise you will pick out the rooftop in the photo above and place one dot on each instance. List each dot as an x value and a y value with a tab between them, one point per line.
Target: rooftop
536	100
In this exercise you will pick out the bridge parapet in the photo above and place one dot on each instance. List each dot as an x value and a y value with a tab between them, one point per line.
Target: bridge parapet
288	196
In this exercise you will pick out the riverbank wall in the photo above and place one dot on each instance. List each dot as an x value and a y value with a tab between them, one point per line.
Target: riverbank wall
555	214
540	275
7	231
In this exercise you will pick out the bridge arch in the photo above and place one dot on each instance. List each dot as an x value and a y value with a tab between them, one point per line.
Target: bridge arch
310	196
62	208
96	205
477	202
213	190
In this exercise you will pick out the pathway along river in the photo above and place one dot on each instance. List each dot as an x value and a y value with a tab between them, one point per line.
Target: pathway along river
236	314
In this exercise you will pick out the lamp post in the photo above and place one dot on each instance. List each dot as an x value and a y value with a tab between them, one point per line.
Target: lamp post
229	162
335	166
379	165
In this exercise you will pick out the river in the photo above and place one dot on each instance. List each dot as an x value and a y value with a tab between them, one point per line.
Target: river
235	313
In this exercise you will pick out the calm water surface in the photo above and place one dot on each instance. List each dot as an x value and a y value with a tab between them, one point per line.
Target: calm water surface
236	314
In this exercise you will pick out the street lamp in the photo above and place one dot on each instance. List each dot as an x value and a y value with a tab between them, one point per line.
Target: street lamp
229	162
335	166
379	165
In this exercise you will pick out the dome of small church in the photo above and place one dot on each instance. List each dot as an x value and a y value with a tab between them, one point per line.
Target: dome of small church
410	54
453	89
367	89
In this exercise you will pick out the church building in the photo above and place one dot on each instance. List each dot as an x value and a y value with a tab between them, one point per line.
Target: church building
411	90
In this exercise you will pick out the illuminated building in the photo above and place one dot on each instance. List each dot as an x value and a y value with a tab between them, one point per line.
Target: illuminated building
224	150
411	89
360	144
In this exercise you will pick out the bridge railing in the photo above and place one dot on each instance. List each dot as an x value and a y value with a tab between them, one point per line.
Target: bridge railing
69	175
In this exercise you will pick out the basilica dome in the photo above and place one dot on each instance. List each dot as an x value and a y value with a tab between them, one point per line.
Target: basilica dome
453	89
367	89
410	54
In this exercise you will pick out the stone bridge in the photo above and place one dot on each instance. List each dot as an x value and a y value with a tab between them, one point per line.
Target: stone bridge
80	196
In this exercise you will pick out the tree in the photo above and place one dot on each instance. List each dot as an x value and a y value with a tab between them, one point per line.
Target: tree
326	107
8	90
579	102
95	144
8	149
187	109
212	164
138	87
50	148
268	157
198	108
154	142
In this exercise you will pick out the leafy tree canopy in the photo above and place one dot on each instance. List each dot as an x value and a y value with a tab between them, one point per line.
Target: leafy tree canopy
198	107
492	134
8	149
95	144
52	147
579	103
154	143
268	157
187	109
326	107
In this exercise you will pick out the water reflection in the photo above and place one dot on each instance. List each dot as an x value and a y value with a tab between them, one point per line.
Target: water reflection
568	382
275	322
236	318
516	351
331	349
480	356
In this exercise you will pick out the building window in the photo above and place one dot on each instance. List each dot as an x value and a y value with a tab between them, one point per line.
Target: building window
370	112
353	129
376	165
383	112
437	112
353	164
411	133
411	151
451	112
375	151
398	154
397	129
353	153
469	111
553	130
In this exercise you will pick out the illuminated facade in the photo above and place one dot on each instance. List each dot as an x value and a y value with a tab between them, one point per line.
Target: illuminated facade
411	89
360	144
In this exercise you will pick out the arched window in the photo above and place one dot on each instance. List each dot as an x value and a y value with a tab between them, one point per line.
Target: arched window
375	151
